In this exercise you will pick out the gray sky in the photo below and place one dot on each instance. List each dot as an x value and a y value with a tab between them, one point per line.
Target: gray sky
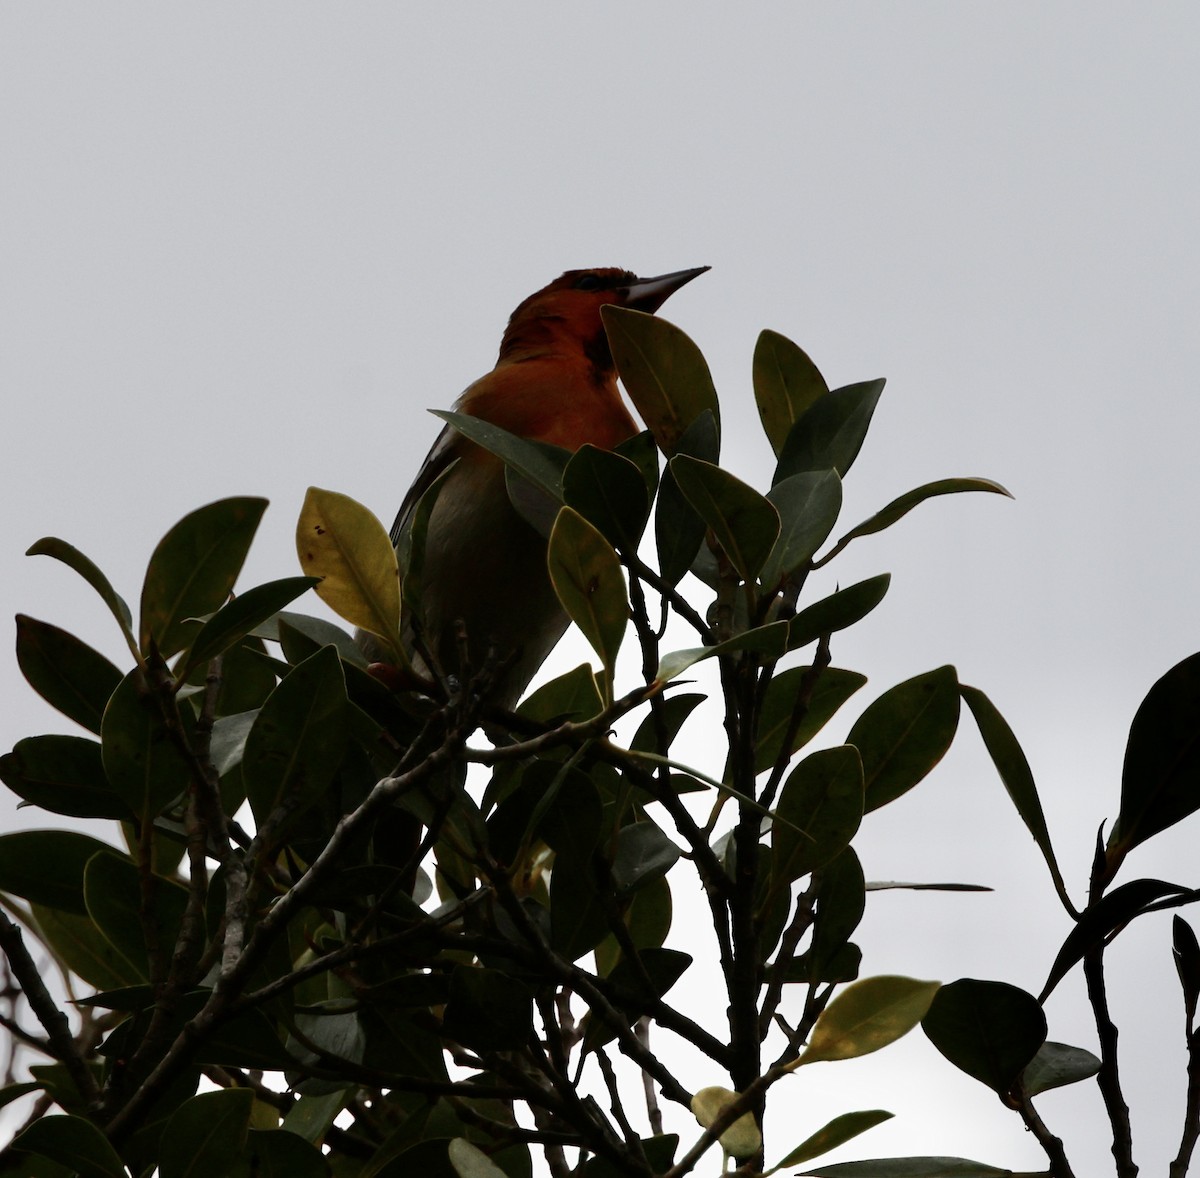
244	247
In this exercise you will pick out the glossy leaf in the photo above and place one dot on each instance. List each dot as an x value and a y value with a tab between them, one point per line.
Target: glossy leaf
663	371
1009	759
1186	952
836	1132
742	1139
808	506
610	493
67	673
64	774
1057	1065
830	433
823	797
344	544
786	384
300	636
74	559
990	1030
898	508
1160	782
46	866
572	696
931	1167
768	642
839	610
644	853
832	688
73	1142
193	570
867	1015
745	523
672	713
143	762
905	733
237	618
587	578
539	464
298	739
206	1134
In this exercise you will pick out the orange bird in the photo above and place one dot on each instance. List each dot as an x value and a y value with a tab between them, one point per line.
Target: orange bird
555	382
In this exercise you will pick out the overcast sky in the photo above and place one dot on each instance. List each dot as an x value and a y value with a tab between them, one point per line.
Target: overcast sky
243	247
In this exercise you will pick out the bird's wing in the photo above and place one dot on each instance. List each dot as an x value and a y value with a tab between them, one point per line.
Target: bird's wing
444	451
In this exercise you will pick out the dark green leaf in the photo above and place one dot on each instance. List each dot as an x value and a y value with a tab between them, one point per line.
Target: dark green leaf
662	968
193	569
769	642
938	1167
13	1092
837	611
892	885
830	689
85	951
67	673
610	493
808	506
837	1132
488	1010
678	530
990	1030
206	1135
642	451
470	1161
46	866
830	433
404	1047
572	696
411	545
671	713
74	559
644	853
823	797
786	383
1186	951
64	774
663	371
539	464
1057	1065
73	1142
840	904
905	733
578	912
278	1153
660	1154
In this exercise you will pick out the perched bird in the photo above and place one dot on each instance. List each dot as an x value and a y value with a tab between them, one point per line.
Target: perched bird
554	382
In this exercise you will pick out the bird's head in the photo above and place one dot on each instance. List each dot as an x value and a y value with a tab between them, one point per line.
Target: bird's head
567	312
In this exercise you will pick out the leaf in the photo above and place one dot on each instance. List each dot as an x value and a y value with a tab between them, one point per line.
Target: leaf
610	493
344	544
837	1132
823	797
678	530
898	508
144	764
867	1015
298	739
279	1153
990	1030
67	673
64	774
488	1010
572	696
833	687
587	578
1057	1065
905	733
1010	762
73	1142
840	904
663	371
300	636
837	611
1186	952
672	712
193	569
769	642
931	1167
538	463
742	1139
206	1134
892	885
830	433
808	506
745	523
74	559
237	618
471	1162
80	945
1108	915
645	852
46	866
1160	782
411	545
786	383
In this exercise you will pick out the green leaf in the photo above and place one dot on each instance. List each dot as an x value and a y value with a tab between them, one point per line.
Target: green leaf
678	530
742	1139
471	1162
298	740
659	1151
830	433
786	383
578	911
193	569
642	451
610	493
488	1010
1010	762
663	371
808	506
83	948
840	903
411	545
1057	1065
745	523
144	764
237	618
74	559
46	866
12	1092
990	1030
836	1132
73	1142
770	642
867	1015
932	1167
1160	783
587	578
832	688
279	1153
206	1135
837	611
1186	951
344	544
67	673
823	797
64	774
644	853
539	464
905	733
572	696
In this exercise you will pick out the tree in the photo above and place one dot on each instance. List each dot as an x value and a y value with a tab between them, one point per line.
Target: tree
429	954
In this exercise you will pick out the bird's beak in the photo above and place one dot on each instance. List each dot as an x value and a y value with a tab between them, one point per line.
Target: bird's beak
648	294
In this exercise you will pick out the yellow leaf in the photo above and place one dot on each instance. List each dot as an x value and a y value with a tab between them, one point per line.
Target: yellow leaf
742	1139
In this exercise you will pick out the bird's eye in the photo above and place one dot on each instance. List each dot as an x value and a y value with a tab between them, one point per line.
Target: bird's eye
588	282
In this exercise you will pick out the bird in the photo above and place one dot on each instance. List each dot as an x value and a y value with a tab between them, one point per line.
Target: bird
485	565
